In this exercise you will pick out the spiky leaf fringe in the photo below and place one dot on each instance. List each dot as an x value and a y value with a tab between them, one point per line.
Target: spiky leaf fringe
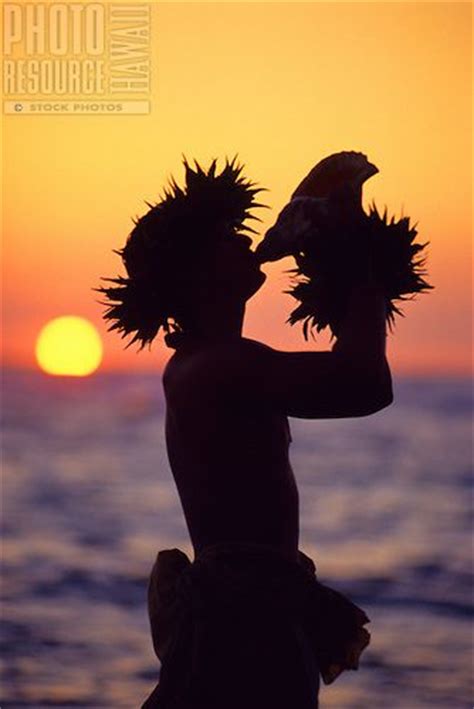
324	275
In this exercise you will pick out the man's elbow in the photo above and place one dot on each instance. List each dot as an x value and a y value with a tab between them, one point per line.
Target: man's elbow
376	403
377	390
382	403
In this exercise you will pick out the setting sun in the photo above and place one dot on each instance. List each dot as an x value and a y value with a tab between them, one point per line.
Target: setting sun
69	346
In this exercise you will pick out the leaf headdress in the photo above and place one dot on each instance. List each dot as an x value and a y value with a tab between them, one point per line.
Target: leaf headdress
169	243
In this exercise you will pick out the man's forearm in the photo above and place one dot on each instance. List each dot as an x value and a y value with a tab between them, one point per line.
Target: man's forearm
362	343
362	334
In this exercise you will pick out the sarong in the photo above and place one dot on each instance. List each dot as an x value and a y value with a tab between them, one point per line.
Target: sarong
244	627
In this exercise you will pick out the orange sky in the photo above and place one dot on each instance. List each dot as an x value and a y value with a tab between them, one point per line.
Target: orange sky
282	84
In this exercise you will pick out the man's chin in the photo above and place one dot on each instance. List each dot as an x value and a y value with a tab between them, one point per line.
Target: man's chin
260	278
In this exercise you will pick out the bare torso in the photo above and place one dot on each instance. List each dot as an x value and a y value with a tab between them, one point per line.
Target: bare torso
229	456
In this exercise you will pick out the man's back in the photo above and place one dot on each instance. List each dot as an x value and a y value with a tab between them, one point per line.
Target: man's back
228	448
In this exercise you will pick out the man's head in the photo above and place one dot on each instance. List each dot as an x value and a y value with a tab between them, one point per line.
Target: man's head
186	253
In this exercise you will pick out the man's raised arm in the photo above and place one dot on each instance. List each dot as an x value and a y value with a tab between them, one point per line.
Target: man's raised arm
353	379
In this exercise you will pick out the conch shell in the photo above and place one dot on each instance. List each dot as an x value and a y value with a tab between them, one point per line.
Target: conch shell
336	171
333	186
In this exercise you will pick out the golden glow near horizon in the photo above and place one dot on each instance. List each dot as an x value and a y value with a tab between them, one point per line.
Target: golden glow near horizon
283	85
69	346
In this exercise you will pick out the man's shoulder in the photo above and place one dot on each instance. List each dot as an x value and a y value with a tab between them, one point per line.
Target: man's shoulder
230	361
246	347
234	356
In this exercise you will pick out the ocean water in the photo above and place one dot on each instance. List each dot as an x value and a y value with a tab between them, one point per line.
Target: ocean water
88	500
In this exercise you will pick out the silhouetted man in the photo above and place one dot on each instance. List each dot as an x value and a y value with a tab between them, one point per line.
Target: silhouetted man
243	627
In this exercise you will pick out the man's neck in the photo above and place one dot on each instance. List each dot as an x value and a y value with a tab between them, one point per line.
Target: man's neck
219	324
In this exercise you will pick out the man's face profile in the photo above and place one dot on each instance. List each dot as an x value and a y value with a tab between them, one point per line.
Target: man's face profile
234	268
